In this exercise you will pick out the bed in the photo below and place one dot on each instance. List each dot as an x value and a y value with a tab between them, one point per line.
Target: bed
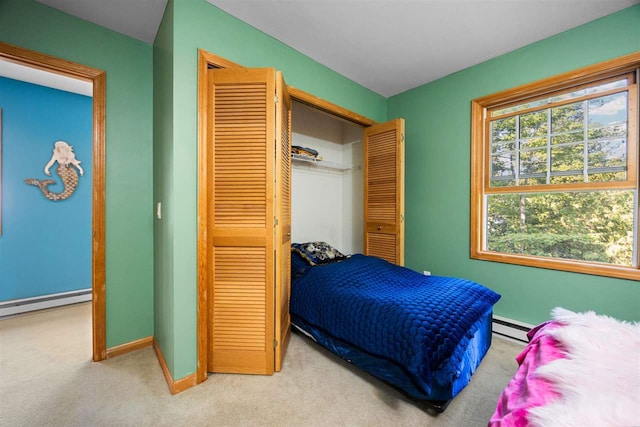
578	369
424	335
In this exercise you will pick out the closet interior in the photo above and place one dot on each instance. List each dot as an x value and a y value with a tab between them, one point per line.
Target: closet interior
326	191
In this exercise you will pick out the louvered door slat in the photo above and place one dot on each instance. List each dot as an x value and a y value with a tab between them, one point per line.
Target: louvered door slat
241	221
243	296
382	246
384	191
240	162
381	177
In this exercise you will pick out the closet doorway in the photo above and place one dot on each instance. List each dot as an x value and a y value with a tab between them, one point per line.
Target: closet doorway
97	78
235	112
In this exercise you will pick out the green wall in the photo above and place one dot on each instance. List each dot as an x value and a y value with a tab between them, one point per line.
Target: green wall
197	24
162	185
438	174
129	233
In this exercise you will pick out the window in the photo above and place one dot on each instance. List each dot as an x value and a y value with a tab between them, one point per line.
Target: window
554	172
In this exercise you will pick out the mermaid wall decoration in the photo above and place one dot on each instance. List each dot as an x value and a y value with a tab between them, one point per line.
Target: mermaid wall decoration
66	158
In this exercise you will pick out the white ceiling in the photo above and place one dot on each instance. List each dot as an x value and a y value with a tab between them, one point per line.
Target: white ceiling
139	19
16	71
388	46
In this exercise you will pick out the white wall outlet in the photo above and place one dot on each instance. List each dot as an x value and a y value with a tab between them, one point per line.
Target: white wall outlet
159	210
427	273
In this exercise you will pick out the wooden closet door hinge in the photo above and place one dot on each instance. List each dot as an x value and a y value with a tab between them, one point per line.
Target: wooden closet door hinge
275	343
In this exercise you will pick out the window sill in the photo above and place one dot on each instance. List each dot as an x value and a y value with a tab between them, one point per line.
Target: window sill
583	267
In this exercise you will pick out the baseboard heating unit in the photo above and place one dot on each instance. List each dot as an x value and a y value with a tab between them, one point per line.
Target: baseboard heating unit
17	306
511	328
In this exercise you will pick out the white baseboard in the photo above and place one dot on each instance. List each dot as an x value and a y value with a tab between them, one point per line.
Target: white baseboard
511	328
17	306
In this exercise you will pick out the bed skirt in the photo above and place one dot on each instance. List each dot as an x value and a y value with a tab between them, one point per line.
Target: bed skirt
447	381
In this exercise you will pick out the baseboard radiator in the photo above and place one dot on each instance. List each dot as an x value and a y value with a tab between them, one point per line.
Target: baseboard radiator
501	325
17	306
511	328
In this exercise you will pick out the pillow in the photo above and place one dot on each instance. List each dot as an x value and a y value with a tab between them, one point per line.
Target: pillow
298	264
316	253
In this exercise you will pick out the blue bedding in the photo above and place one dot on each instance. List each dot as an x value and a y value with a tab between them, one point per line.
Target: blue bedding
419	326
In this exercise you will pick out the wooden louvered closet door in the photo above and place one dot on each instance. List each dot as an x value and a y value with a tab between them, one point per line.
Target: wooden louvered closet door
384	191
283	228
242	220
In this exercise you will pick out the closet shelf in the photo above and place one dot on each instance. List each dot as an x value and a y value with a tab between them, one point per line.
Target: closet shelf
325	164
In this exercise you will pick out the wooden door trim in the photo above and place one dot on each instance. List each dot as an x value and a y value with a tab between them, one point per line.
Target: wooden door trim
299	95
97	77
328	107
207	60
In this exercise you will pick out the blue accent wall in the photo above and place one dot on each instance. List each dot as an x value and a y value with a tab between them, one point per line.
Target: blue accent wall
45	246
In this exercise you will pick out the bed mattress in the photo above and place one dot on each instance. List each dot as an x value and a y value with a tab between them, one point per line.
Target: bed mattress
424	335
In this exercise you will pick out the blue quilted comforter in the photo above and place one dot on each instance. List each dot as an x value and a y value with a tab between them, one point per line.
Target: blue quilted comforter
417	322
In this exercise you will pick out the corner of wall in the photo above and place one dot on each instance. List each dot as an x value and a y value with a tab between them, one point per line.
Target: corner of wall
163	297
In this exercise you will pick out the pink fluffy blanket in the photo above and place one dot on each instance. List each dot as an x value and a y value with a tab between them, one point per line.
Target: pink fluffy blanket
580	369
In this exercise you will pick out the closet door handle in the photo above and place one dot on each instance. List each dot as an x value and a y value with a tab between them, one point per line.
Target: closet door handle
379	227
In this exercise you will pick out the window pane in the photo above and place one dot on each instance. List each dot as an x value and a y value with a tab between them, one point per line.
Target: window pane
538	179
607	176
608	153
503	149
611	131
533	143
587	226
533	162
520	107
503	182
567	158
620	83
591	90
502	165
607	132
503	130
533	124
527	137
567	118
568	138
608	110
566	179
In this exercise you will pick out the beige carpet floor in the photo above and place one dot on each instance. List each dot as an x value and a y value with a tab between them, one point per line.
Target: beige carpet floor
47	378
